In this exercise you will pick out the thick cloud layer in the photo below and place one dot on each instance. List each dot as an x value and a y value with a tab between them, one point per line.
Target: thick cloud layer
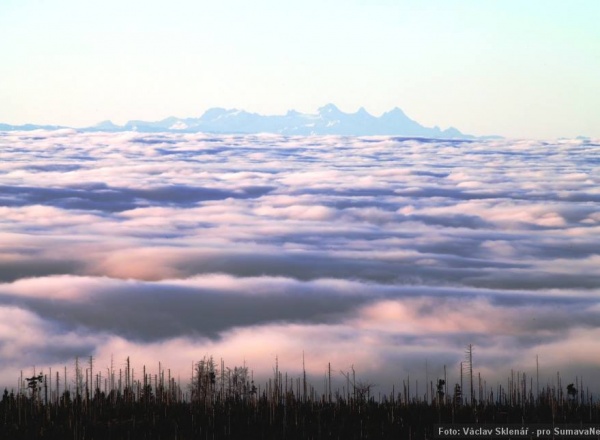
383	253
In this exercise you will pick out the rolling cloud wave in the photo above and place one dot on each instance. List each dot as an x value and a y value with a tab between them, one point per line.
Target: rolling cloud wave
380	252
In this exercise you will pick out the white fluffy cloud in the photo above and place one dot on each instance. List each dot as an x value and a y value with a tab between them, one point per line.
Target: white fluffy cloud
382	253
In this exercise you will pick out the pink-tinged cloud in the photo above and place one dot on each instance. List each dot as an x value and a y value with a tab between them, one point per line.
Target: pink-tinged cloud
382	253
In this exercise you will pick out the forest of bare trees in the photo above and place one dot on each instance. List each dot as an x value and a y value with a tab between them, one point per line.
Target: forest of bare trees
219	402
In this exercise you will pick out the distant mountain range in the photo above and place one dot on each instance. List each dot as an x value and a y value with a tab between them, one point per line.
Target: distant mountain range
328	120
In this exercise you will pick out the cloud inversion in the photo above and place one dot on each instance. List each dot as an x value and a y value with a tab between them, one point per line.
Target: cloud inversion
383	253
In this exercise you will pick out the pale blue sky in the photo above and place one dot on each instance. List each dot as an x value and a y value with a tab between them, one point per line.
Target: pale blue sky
517	68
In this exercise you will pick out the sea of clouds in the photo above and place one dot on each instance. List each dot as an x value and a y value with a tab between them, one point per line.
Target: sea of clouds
386	255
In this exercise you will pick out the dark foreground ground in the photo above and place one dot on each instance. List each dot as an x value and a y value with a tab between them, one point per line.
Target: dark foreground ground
119	416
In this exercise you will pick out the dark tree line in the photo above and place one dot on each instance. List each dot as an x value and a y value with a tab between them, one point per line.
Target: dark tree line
226	403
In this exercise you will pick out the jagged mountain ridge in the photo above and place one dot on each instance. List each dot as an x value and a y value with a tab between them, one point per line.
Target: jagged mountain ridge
328	120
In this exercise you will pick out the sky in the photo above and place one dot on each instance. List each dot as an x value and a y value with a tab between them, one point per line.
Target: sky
512	68
386	255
